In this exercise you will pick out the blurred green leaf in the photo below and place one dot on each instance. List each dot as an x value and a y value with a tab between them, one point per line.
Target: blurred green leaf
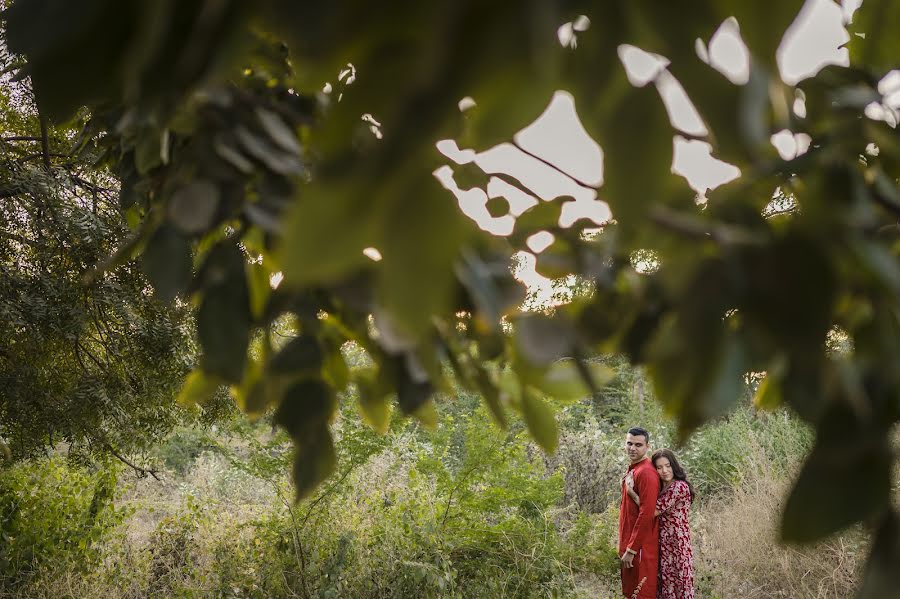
879	581
301	356
198	388
223	319
541	421
192	207
167	262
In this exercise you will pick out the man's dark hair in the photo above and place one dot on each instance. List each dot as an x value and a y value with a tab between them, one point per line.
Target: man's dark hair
638	432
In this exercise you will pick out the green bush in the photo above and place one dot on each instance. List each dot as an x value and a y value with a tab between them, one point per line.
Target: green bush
54	514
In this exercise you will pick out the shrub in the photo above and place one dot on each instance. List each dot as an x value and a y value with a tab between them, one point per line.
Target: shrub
53	513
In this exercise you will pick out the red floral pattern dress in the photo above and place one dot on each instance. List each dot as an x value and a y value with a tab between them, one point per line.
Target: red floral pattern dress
676	556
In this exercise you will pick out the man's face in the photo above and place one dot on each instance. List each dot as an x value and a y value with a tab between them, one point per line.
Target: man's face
635	447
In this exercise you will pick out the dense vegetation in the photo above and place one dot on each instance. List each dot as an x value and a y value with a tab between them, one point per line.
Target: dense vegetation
467	510
245	161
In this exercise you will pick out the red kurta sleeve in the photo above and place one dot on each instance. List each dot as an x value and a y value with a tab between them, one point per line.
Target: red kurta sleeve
677	493
646	482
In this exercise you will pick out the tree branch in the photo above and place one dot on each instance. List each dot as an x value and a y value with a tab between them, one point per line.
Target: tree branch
20	138
140	470
554	167
45	142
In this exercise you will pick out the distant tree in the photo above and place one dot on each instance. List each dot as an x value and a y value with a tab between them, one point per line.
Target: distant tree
94	365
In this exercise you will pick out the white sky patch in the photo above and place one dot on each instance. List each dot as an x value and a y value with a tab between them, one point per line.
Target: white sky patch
789	144
372	254
813	41
682	113
595	210
641	67
519	201
450	149
466	103
275	279
799	104
540	241
693	160
473	203
558	137
542	180
848	7
728	54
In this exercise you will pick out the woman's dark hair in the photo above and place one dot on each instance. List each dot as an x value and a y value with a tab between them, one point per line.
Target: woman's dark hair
677	471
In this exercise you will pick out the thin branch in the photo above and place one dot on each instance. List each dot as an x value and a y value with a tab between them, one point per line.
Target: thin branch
23	240
554	167
45	142
140	470
21	138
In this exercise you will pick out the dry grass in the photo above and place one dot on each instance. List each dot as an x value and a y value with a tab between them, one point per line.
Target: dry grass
739	554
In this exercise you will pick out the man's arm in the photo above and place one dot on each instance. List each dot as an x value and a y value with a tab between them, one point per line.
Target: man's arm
647	484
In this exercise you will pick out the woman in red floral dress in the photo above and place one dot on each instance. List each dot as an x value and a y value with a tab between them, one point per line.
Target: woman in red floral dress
676	556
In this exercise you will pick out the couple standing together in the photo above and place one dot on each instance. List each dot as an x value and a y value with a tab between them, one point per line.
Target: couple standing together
654	532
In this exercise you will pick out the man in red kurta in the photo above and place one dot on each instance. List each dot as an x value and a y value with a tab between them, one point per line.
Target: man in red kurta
638	529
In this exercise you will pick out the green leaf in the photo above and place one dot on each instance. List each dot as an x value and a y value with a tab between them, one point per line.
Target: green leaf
373	399
305	409
768	395
167	262
873	35
762	25
259	287
490	390
417	276
564	382
315	460
880	578
637	168
856	474
198	388
223	320
541	421
192	208
149	151
279	131
275	159
540	217
541	340
301	356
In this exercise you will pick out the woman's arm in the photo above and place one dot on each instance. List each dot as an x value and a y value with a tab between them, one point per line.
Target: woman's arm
629	488
634	496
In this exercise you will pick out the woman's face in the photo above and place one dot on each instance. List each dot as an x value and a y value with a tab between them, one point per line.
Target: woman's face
664	469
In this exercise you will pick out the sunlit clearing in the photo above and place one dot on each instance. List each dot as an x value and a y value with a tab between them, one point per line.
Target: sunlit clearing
813	41
558	137
641	67
693	160
540	288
